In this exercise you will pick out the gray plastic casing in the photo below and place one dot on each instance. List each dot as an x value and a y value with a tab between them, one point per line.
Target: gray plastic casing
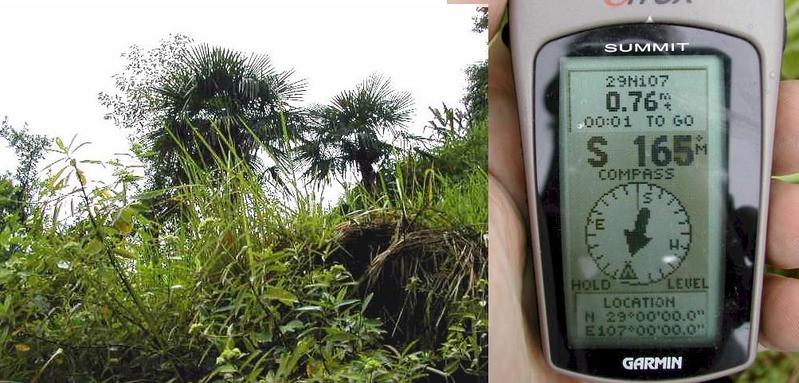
534	23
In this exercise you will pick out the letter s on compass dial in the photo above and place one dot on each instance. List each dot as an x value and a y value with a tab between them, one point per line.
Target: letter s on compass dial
638	233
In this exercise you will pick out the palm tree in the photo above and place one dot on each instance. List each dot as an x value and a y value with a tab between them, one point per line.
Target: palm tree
221	102
356	131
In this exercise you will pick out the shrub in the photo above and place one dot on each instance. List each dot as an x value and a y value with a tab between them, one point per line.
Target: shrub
243	286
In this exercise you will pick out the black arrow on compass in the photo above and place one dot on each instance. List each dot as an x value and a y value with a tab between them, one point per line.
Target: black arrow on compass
636	238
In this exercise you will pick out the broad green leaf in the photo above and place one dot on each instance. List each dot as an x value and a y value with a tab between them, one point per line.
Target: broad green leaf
263	336
81	177
53	180
336	335
279	294
287	366
93	247
225	369
121	251
347	303
60	143
291	326
124	220
104	193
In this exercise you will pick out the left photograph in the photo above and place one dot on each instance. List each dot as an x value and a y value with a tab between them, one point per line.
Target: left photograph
273	191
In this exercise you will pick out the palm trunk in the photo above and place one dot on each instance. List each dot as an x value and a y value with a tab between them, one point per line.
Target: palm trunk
368	176
364	159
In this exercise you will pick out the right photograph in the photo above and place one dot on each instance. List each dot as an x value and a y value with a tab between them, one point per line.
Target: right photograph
643	191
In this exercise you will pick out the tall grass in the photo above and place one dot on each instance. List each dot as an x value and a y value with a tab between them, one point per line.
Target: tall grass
237	285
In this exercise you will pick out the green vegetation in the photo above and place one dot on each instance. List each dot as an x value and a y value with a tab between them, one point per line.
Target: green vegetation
349	132
29	149
790	64
202	269
250	103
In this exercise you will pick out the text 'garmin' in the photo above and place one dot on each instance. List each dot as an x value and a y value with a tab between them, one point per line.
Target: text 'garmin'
652	363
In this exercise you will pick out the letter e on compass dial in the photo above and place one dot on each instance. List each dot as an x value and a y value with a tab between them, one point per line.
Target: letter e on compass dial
638	233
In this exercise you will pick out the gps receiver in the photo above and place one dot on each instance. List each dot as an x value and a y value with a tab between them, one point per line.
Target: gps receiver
647	128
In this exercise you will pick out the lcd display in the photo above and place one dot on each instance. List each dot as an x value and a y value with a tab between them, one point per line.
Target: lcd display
643	169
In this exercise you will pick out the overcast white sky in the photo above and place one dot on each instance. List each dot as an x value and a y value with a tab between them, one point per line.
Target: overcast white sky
57	55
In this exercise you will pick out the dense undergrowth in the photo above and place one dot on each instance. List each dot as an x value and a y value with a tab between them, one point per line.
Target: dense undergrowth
243	286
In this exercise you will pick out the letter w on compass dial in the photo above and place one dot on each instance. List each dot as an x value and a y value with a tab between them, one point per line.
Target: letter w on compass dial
638	233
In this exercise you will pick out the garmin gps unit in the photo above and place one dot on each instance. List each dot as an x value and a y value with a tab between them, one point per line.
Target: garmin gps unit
647	128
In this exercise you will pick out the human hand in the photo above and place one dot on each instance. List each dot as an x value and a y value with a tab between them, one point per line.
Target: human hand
514	349
779	326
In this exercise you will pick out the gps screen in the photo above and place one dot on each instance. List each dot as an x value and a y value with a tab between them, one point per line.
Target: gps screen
642	179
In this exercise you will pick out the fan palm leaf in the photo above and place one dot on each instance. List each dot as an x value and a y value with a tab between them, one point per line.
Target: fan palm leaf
236	103
357	130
